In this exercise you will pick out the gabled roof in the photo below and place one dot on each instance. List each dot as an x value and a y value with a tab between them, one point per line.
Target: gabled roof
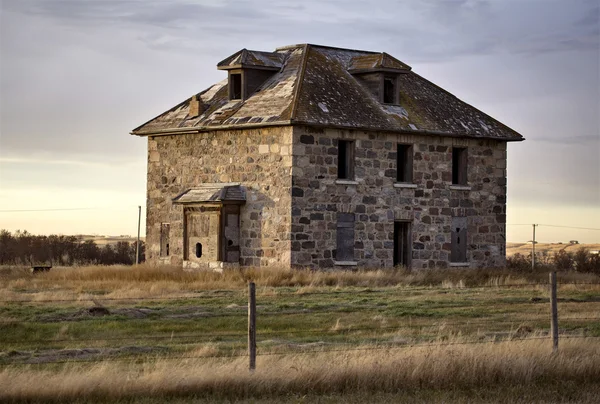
376	62
228	192
314	86
252	59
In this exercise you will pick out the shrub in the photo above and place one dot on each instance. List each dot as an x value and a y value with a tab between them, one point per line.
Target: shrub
563	260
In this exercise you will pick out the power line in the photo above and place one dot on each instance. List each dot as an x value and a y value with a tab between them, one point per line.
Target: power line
569	227
45	210
293	352
62	209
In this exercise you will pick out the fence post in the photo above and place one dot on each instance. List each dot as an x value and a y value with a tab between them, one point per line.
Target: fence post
554	310
252	325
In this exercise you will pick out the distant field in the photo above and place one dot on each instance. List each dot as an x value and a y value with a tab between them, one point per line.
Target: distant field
103	240
550	248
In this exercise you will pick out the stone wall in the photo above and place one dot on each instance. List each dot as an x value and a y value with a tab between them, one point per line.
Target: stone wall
259	159
377	202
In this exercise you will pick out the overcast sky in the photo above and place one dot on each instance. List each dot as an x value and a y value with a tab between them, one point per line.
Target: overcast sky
77	75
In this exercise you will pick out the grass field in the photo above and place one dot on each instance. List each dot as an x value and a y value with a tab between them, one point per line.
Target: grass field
151	334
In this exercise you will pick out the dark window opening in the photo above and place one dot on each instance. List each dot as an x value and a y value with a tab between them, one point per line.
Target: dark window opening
345	237
235	86
165	230
459	165
345	159
458	251
198	250
402	244
389	90
404	163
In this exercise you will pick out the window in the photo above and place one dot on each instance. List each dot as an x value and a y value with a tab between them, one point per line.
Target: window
165	229
458	240
198	250
404	163
459	165
235	86
402	244
345	237
345	160
389	90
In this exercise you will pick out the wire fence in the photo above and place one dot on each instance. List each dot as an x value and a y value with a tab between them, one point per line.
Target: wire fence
184	332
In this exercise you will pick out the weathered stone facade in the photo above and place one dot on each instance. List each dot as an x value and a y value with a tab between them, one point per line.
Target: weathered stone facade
377	200
259	159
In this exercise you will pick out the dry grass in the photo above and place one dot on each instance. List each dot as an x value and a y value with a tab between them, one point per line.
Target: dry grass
154	281
451	367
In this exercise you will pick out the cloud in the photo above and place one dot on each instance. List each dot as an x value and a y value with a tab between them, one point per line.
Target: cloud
431	30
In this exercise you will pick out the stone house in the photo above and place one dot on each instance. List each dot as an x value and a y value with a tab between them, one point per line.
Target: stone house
320	157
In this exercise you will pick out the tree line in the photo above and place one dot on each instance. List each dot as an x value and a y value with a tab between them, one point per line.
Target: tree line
580	261
23	248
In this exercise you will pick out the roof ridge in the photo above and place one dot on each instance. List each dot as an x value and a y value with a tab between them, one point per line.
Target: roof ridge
288	47
299	81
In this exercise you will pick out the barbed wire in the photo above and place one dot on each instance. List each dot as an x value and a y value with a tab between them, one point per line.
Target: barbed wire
311	332
300	293
298	352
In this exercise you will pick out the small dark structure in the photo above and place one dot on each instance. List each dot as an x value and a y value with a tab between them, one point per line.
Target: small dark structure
41	268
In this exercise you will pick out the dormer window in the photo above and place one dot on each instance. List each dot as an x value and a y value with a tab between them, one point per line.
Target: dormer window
235	86
249	70
389	90
378	73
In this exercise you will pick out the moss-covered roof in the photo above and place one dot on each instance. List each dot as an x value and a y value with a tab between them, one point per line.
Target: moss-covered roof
314	85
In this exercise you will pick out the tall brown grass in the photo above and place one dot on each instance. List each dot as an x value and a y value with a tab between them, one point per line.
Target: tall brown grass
159	281
528	362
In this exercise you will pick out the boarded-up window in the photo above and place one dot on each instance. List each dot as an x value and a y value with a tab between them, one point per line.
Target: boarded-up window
404	163
345	159
231	234
459	165
165	230
345	237
402	244
459	240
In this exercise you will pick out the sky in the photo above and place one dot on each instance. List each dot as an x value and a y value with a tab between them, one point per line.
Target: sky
76	76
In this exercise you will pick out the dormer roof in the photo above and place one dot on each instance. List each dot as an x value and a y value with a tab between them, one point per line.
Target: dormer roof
252	59
314	85
377	62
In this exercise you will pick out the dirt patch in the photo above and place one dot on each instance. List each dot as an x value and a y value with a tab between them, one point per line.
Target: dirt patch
82	354
187	312
94	312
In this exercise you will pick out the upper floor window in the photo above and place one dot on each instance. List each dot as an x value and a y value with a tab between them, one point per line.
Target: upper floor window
235	86
345	159
389	90
404	163
459	165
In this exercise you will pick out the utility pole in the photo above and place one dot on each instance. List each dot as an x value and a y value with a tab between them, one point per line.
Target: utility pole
554	312
137	245
533	249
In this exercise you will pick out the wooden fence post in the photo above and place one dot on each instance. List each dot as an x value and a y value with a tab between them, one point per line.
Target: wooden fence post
554	311
252	325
